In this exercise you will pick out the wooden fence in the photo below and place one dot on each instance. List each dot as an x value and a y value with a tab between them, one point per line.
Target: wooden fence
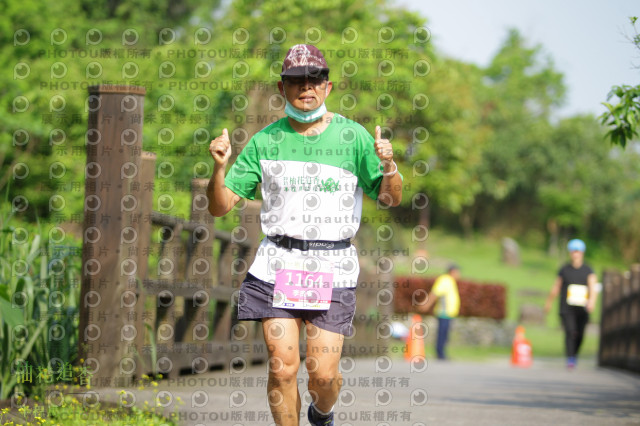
620	321
178	318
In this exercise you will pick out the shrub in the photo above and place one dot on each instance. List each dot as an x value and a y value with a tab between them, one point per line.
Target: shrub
485	300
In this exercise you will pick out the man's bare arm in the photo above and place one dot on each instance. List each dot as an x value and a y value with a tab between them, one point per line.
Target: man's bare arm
221	199
390	192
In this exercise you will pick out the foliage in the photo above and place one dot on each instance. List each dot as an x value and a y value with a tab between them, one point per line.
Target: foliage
63	406
219	78
618	224
624	117
457	137
39	291
523	87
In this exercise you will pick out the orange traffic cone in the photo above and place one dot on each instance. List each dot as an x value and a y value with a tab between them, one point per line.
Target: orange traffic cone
415	339
521	351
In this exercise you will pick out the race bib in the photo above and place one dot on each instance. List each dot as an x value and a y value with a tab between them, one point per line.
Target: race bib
298	287
577	295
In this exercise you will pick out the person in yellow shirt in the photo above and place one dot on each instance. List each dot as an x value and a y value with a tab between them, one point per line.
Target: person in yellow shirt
445	293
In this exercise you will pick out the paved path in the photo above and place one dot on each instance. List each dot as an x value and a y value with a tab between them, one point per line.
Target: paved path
393	392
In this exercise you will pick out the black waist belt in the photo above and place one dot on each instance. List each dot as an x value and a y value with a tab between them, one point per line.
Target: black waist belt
294	243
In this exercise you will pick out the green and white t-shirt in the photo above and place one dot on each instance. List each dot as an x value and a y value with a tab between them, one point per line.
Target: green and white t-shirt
312	189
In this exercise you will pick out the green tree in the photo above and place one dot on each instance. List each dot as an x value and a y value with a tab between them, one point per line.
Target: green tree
48	50
621	228
521	89
623	118
458	137
577	189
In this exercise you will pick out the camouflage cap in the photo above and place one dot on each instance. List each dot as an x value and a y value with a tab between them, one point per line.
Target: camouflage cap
304	59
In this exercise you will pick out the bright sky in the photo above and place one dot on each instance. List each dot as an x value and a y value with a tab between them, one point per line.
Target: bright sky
585	39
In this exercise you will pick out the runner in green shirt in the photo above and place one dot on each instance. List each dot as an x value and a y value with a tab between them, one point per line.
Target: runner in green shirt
314	167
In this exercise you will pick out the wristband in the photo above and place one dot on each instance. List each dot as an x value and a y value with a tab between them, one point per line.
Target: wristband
393	172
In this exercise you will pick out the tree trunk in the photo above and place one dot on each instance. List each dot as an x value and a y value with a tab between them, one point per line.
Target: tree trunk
466	221
552	227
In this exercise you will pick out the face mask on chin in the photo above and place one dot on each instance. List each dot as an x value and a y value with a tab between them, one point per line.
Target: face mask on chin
304	116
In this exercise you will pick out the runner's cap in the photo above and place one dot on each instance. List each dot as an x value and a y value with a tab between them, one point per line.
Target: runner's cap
576	245
304	59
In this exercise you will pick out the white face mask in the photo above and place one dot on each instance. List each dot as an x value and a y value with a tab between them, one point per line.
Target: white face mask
305	116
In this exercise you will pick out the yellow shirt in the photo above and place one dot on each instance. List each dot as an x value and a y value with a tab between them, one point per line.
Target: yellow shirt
446	289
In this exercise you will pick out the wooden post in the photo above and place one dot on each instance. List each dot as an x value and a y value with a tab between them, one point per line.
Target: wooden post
200	265
247	334
110	271
222	311
166	309
147	175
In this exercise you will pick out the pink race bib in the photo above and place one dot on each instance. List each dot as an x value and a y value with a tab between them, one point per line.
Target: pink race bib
296	288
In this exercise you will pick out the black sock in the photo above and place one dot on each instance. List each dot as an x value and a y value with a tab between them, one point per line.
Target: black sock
318	413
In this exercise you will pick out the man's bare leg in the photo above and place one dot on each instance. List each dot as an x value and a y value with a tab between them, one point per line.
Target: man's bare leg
282	338
323	358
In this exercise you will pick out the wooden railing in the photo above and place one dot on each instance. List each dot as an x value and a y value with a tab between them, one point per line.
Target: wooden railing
620	320
178	318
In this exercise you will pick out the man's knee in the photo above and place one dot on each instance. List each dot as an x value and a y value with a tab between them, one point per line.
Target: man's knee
283	369
325	378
